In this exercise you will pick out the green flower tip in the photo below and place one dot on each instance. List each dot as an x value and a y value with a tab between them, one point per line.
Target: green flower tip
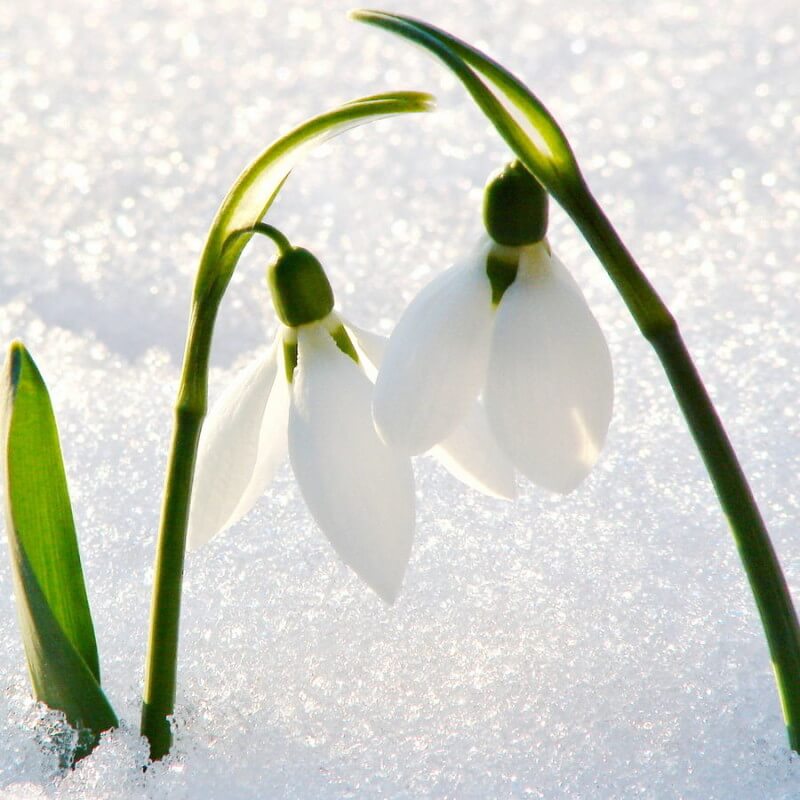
501	269
515	207
301	292
344	342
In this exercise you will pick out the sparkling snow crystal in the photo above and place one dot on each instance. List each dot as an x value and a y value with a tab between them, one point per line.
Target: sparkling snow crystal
600	645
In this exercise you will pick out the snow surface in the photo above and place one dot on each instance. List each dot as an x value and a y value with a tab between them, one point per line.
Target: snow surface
602	645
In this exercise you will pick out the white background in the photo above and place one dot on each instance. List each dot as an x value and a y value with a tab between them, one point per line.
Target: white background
601	645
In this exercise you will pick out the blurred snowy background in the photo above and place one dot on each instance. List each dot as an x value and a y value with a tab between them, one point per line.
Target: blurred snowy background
602	645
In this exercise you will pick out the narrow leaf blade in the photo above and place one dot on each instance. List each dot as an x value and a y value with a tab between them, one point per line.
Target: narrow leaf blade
54	613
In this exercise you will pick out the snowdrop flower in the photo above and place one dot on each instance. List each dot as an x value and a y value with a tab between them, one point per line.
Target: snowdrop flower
510	324
309	395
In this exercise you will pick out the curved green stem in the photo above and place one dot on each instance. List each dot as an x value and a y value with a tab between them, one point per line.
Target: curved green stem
752	540
538	141
238	218
271	232
161	667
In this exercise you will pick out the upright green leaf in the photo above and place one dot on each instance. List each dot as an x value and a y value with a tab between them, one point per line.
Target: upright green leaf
54	614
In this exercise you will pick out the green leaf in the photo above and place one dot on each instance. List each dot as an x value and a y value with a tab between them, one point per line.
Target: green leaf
256	188
519	116
54	614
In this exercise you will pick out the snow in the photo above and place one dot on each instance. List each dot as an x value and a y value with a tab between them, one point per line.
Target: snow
600	645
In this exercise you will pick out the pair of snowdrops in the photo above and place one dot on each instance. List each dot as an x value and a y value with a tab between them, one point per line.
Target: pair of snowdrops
497	366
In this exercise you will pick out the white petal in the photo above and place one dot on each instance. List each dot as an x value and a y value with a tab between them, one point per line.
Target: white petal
472	455
435	363
550	385
228	450
272	442
359	491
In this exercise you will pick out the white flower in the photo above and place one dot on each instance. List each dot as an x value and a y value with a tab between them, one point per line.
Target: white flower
536	354
359	491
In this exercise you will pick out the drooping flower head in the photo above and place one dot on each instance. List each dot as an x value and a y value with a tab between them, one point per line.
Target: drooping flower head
309	395
508	324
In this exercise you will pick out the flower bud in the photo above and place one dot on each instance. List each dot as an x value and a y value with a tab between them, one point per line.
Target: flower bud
301	292
515	207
